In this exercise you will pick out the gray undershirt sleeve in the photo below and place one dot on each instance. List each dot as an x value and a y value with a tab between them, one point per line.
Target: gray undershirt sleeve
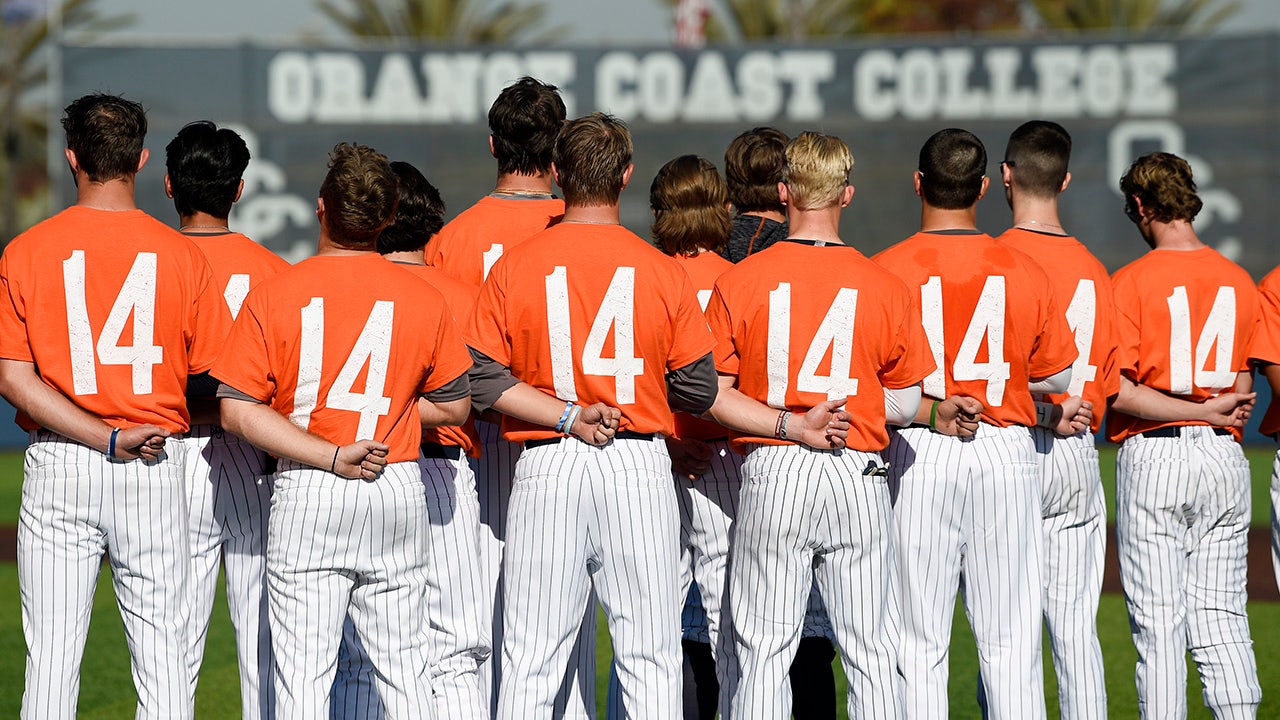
455	389
693	388
489	379
226	391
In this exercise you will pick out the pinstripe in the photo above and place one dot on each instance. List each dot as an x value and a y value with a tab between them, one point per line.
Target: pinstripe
1075	540
76	505
1275	521
967	517
807	516
228	501
337	547
580	517
1182	521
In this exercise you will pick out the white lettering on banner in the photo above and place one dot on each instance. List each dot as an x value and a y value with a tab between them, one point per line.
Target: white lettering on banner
1066	81
764	85
336	87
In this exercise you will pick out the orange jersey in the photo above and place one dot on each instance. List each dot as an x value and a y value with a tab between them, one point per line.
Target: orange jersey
238	265
991	319
1082	289
460	298
1185	320
703	269
115	309
1266	343
469	245
344	346
795	337
591	313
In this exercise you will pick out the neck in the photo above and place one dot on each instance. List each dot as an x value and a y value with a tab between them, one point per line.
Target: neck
773	215
816	224
1175	235
326	246
408	257
202	221
933	219
116	195
1035	213
592	214
517	182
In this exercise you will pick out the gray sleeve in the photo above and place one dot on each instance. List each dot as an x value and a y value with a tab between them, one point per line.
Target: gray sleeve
455	389
226	391
489	379
693	388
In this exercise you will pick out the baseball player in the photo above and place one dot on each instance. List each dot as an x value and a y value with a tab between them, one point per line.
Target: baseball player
806	512
1265	354
106	312
523	122
334	366
456	627
1186	317
967	510
228	491
1034	172
583	316
752	169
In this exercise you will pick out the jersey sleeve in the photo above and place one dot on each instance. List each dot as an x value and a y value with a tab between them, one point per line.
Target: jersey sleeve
692	338
1054	347
1251	328
1128	316
1266	341
487	330
13	325
726	351
450	358
211	319
909	359
244	363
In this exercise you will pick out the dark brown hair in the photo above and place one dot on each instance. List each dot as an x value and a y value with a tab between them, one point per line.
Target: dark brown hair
106	133
952	165
524	121
1038	152
591	155
753	168
360	193
419	214
688	199
1163	182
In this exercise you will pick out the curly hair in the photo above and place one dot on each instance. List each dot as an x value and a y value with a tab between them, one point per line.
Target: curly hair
689	202
419	214
1163	182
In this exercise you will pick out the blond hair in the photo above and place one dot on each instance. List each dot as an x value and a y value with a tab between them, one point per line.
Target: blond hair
817	170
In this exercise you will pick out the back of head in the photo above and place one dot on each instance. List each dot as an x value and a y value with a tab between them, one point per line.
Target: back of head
524	121
360	194
105	132
688	199
1163	182
952	165
591	155
419	215
205	165
753	167
817	170
1038	152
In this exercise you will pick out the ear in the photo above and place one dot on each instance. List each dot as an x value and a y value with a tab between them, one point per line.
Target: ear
555	172
491	152
916	177
239	190
142	159
320	209
1065	182
784	195
168	187
626	175
1006	175
71	160
846	196
986	185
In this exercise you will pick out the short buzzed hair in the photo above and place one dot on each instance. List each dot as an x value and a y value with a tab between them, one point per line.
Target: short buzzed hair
524	121
360	193
817	170
106	133
753	168
419	214
952	165
592	154
1163	182
1038	153
205	165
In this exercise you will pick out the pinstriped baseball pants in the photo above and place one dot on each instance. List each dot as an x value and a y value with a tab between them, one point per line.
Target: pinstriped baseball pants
1182	524
803	515
228	502
1275	520
968	517
1075	548
76	505
456	626
583	517
337	546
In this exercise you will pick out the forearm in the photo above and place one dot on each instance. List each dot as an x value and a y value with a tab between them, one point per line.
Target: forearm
1151	404
268	430
742	413
23	388
525	402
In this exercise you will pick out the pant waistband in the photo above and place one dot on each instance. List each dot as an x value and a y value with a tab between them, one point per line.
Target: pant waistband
623	435
435	451
1175	431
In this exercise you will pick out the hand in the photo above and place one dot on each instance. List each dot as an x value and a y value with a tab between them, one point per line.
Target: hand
1072	416
596	424
363	460
689	458
824	427
1230	409
142	441
957	416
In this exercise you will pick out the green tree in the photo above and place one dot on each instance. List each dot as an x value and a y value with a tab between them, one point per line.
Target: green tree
1187	16
829	19
461	21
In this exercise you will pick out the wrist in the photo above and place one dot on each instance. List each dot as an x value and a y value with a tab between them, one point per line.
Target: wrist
933	415
1045	413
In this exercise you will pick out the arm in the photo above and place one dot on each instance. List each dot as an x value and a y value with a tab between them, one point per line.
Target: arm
26	391
447	405
269	430
1072	416
957	415
901	405
692	388
824	427
1055	383
493	386
1225	410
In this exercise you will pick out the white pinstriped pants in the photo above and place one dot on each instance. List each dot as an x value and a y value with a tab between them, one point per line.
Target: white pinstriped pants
338	546
1075	548
456	626
1182	529
968	517
805	514
1275	520
228	503
76	505
582	516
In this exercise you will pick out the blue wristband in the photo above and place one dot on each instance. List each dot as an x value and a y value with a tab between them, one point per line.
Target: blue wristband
568	408
111	444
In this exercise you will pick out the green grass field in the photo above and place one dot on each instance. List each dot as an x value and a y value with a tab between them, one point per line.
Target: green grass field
107	690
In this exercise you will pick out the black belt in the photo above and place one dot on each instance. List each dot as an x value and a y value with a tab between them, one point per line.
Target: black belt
1174	431
623	435
435	451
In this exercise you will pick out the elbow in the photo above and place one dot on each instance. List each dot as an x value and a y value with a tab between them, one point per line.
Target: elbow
232	415
456	413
